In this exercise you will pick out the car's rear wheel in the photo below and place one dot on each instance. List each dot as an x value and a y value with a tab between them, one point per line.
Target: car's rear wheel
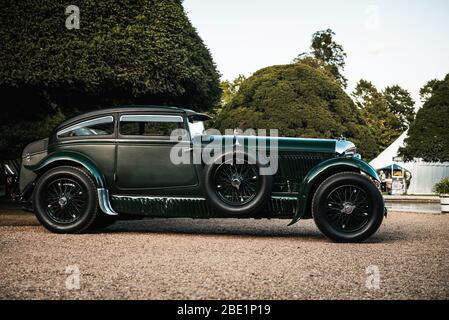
65	200
348	207
235	188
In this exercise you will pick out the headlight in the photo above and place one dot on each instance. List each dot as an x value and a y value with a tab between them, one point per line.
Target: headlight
345	148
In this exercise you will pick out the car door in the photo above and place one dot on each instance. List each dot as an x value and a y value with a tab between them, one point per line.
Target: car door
143	153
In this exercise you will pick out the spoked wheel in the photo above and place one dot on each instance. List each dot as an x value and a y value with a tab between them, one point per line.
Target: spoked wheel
237	184
65	200
235	188
348	207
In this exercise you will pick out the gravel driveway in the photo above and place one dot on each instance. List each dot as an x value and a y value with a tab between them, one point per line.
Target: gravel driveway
223	259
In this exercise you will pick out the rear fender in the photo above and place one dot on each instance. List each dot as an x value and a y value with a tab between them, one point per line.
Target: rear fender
65	157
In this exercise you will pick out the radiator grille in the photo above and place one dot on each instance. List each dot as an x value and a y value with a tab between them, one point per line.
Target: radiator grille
293	168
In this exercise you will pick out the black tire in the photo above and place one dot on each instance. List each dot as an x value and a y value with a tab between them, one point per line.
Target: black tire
348	207
65	200
248	197
102	221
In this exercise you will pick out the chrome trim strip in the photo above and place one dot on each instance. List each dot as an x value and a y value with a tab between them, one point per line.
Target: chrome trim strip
284	198
107	119
150	118
160	198
9	171
190	198
87	139
105	205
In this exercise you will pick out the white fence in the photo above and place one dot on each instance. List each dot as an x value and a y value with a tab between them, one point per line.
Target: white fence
425	175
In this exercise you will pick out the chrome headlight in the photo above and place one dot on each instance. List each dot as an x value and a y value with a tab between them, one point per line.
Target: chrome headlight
345	148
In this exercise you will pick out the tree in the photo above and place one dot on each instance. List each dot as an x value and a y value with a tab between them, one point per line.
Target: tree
229	89
313	62
374	109
428	136
299	101
125	52
387	113
427	90
401	104
328	55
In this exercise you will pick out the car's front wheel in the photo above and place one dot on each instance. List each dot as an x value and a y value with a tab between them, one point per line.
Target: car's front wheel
348	207
65	200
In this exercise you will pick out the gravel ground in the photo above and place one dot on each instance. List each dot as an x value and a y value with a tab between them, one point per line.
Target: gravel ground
223	259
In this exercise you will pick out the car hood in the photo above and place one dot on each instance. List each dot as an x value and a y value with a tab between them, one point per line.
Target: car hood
283	144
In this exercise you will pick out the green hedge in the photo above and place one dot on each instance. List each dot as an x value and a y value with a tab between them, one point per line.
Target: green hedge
125	52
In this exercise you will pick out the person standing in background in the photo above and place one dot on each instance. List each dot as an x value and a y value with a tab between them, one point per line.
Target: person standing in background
382	177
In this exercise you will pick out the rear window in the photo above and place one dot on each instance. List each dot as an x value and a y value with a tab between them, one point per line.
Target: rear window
103	126
158	126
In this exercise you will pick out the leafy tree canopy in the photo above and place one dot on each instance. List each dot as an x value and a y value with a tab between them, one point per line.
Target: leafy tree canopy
229	89
125	52
401	104
427	90
300	101
429	135
387	113
326	54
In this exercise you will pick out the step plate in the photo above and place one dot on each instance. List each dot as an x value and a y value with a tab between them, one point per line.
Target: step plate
185	207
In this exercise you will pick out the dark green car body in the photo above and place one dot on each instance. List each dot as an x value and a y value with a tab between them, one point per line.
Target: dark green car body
134	174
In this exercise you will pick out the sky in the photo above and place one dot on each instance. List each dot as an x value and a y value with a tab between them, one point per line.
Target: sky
388	42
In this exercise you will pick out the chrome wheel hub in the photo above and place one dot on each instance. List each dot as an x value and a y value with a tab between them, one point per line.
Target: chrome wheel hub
348	208
62	201
236	182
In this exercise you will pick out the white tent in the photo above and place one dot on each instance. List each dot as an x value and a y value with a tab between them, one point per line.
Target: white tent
386	158
424	174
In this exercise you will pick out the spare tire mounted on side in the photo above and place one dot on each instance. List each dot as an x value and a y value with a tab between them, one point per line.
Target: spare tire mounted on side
236	187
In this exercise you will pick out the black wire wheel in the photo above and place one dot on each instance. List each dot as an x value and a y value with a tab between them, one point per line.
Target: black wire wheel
65	200
348	207
237	184
236	187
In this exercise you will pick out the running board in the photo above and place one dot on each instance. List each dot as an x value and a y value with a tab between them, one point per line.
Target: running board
181	207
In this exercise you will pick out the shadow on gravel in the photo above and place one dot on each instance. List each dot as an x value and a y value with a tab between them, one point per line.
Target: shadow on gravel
234	227
304	230
228	232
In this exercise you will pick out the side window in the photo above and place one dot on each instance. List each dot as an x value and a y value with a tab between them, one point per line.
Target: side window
103	126
157	126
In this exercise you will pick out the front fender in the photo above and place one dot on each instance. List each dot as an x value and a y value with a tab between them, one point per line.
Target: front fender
70	156
323	169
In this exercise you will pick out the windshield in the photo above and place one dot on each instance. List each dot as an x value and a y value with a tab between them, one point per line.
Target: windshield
196	128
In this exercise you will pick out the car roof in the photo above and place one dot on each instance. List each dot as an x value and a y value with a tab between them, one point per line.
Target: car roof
133	108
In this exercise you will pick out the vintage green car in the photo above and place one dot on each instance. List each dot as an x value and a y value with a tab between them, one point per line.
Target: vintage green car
127	163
